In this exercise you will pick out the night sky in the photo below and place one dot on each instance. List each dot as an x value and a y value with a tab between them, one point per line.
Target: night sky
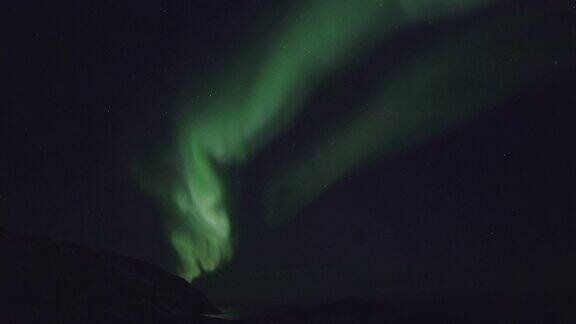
483	204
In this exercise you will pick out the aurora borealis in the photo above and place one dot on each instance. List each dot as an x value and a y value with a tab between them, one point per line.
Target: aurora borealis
288	151
318	36
259	98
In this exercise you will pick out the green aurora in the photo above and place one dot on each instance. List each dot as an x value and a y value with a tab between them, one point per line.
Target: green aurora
270	81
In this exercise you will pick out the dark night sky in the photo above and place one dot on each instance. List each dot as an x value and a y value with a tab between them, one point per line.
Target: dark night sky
489	207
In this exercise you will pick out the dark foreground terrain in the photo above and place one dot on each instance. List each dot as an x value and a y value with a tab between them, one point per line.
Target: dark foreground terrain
46	281
536	309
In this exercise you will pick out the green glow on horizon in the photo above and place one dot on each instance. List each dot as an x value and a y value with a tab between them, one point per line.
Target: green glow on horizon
257	100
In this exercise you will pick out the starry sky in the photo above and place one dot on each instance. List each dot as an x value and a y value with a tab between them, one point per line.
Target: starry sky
486	205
